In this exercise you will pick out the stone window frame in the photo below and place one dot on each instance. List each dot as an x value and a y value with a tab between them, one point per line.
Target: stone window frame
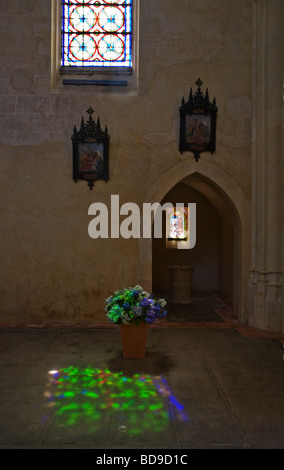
114	77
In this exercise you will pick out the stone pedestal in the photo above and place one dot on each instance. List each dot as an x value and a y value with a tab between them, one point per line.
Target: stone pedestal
180	284
265	300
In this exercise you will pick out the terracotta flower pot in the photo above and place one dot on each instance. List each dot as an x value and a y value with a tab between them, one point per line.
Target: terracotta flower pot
133	340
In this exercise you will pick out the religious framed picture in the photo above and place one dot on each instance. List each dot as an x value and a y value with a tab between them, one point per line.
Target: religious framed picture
198	123
90	152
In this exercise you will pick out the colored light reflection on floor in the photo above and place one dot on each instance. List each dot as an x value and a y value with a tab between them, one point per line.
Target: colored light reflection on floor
80	396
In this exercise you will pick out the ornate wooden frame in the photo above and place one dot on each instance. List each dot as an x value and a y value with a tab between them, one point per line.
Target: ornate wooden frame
198	123
90	151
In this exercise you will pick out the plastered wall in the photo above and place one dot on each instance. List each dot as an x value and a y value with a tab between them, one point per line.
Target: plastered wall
51	268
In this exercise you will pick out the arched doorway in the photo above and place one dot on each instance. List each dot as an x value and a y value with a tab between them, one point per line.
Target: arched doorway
221	263
213	254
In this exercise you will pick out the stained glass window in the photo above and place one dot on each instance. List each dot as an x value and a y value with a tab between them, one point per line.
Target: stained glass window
177	225
97	33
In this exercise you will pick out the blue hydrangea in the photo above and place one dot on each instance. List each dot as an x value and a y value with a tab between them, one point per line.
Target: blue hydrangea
134	303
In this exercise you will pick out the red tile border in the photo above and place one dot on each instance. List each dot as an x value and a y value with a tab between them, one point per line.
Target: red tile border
226	313
228	323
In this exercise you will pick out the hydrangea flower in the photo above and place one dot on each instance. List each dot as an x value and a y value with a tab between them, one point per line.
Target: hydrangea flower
134	304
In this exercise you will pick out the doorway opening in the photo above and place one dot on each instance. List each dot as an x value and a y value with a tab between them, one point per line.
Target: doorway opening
214	258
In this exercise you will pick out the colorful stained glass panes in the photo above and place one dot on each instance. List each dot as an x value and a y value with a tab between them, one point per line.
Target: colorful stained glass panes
177	223
97	33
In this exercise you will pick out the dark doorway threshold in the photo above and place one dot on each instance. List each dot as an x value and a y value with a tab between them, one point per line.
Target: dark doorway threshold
205	307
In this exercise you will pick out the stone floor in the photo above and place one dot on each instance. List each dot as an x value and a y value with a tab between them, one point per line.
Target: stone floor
201	385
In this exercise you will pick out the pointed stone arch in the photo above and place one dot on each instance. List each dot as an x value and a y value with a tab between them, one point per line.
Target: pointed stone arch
229	199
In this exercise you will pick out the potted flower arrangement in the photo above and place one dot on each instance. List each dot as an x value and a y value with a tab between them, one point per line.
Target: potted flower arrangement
133	309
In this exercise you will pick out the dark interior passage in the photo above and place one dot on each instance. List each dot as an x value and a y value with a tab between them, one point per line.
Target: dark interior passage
212	257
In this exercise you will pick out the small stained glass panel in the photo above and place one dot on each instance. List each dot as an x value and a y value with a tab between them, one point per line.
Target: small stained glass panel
177	223
97	33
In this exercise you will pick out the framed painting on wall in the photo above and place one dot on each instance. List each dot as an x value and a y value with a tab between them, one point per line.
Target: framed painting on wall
198	123
90	152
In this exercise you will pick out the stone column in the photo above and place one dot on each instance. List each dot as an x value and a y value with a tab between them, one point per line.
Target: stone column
266	280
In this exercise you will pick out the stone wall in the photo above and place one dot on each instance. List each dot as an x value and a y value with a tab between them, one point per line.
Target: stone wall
266	275
51	268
